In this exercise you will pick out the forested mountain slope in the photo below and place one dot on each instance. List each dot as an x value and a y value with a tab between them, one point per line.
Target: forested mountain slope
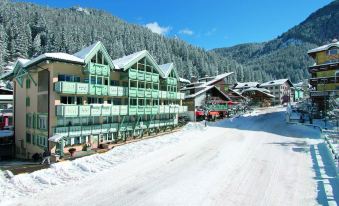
286	56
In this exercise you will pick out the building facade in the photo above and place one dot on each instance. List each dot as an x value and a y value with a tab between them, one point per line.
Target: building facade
281	89
324	75
86	100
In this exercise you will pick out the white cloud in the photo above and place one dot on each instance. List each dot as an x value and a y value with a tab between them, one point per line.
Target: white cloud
211	32
156	28
186	31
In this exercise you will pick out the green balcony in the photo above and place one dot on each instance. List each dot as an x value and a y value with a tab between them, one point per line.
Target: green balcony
123	109
148	93
96	129
130	126
148	76
155	94
86	130
155	109
96	110
97	69
84	110
161	109
141	110
81	88
141	75
133	92
155	77
105	128
141	92
173	109
115	110
132	73
65	87
114	127
74	131
61	130
171	81
120	91
163	94
132	110
106	110
148	109
171	95
97	89
67	110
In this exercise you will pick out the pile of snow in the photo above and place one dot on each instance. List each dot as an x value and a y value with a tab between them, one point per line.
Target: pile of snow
68	172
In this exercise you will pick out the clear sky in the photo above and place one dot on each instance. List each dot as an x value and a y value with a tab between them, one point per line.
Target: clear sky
206	23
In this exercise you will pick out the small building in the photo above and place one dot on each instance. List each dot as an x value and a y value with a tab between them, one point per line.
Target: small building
6	98
240	86
184	82
258	96
281	89
324	75
212	94
298	91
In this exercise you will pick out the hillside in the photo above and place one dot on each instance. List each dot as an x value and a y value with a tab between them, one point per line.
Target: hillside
27	30
286	55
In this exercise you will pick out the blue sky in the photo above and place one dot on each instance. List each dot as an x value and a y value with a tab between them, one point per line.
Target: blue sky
207	23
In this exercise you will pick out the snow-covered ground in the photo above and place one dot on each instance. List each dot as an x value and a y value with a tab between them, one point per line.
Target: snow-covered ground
256	159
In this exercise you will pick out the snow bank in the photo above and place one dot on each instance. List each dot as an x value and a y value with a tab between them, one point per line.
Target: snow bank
68	172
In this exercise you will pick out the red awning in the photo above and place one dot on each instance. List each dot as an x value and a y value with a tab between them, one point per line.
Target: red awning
213	113
199	113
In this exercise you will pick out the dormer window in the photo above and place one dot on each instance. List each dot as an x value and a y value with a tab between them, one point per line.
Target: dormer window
333	51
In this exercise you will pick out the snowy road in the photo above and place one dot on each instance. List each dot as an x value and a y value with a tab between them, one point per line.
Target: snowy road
253	160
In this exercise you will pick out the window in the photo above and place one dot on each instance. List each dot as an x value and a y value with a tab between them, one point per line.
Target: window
333	51
28	102
70	100
95	100
68	78
28	138
42	122
28	120
114	83
28	83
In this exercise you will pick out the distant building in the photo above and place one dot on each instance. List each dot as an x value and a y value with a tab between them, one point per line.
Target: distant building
240	86
324	74
298	91
281	89
258	96
210	93
6	98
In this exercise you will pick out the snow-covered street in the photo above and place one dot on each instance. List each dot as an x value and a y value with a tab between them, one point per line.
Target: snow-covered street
256	159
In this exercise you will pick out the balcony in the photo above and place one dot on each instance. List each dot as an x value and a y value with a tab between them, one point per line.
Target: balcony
105	128
96	129
141	75
65	87
141	92
155	77
132	74
148	76
67	110
155	109
148	93
163	94
115	110
171	81
123	109
133	92
132	110
97	89
148	109
106	110
141	110
155	94
97	69
84	110
328	87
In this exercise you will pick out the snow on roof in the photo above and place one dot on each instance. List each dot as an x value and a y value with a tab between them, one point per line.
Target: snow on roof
6	133
6	97
82	54
275	82
217	78
323	48
22	60
183	80
240	85
166	68
56	138
261	90
54	56
125	60
199	92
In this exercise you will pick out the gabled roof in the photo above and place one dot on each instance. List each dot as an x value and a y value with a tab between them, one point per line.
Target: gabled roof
276	82
58	56
20	62
167	68
240	85
205	90
87	53
324	47
218	78
126	62
261	90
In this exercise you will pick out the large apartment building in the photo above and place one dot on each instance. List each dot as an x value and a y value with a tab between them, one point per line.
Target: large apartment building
282	89
324	74
64	100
